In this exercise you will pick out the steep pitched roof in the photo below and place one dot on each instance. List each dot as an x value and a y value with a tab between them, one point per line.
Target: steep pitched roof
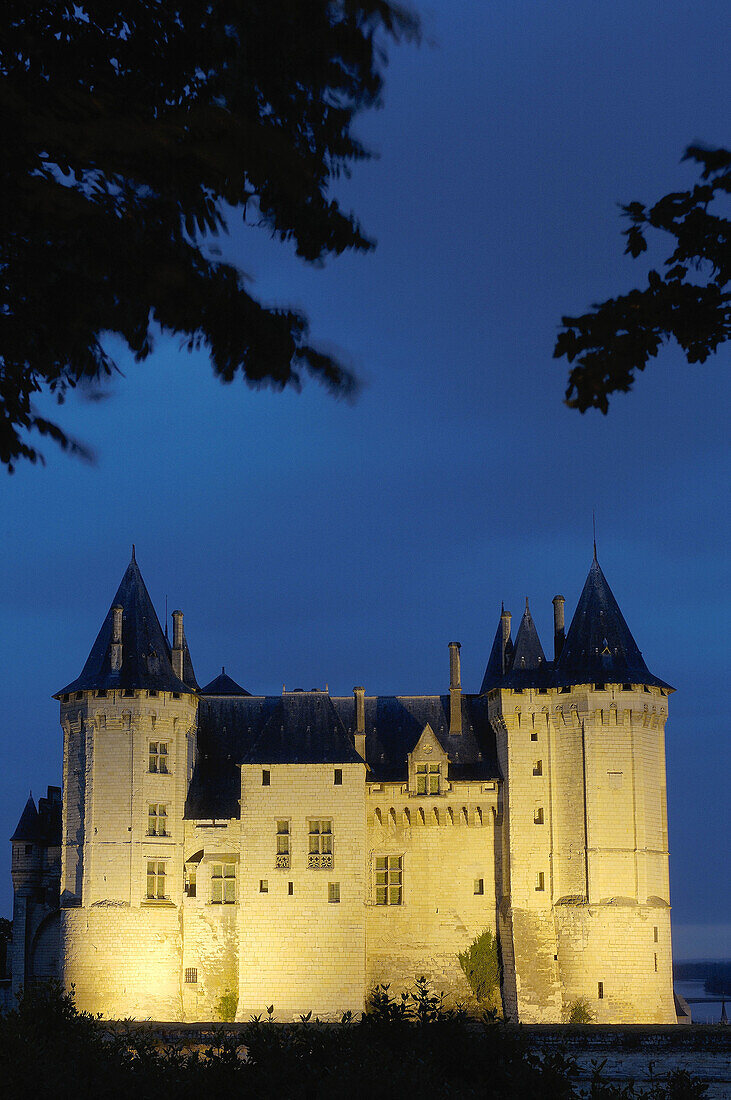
145	653
29	826
599	645
528	651
494	669
304	729
224	685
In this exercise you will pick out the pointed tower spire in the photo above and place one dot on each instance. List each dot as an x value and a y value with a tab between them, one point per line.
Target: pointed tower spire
599	645
29	826
498	663
528	652
130	649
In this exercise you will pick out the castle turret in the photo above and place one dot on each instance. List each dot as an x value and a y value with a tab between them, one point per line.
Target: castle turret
129	747
585	899
35	871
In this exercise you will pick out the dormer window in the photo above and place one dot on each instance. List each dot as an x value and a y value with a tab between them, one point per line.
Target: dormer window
428	778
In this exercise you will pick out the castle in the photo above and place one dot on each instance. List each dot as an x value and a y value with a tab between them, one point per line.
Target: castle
299	849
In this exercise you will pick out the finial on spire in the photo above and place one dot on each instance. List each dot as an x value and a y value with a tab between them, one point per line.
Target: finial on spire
502	607
223	670
526	604
593	524
133	552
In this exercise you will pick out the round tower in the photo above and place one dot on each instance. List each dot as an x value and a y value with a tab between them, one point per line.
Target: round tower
129	744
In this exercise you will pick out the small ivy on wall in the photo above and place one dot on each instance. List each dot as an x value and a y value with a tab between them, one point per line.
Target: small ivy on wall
226	1006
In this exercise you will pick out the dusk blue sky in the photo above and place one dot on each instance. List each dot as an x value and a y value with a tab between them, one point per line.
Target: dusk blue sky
311	541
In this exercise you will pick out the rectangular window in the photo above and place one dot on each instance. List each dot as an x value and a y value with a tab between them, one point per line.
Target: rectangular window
290	888
266	778
263	886
538	816
191	975
655	934
479	886
333	892
600	991
155	880
538	767
389	880
534	735
159	757
157	816
320	851
540	881
338	778
223	883
190	879
427	778
282	857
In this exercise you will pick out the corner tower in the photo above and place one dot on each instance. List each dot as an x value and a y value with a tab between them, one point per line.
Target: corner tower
129	746
584	906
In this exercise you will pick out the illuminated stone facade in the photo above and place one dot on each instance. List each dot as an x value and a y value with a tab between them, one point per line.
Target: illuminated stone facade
297	850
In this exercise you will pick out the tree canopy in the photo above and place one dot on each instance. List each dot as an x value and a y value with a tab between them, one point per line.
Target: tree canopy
132	128
689	300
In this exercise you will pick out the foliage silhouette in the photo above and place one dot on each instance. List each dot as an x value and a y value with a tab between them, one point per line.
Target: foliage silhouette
689	301
49	1049
131	132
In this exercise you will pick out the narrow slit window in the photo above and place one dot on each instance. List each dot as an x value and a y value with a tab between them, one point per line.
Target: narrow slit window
479	886
538	816
655	934
290	888
540	881
333	892
263	886
338	777
600	991
538	767
266	777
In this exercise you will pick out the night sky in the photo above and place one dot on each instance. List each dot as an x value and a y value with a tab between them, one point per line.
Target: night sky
311	541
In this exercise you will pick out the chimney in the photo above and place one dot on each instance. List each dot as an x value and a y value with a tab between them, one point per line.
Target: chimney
559	633
455	689
116	653
178	644
360	730
505	619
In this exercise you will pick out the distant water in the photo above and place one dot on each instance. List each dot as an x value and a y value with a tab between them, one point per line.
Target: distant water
705	1011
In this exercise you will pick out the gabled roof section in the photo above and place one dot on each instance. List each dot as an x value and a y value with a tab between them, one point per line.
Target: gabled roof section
29	826
145	653
428	743
304	729
599	645
494	669
224	685
188	672
528	652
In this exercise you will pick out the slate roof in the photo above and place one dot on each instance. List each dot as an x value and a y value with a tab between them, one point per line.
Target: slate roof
494	669
232	731
223	685
42	825
599	645
145	652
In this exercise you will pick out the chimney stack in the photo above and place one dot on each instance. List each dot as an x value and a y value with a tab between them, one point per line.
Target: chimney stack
559	633
360	730
178	644
455	689
505	619
116	654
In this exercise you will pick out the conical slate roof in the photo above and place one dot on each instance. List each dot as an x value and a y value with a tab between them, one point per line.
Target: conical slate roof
599	645
145	652
224	685
29	827
304	728
528	651
494	669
